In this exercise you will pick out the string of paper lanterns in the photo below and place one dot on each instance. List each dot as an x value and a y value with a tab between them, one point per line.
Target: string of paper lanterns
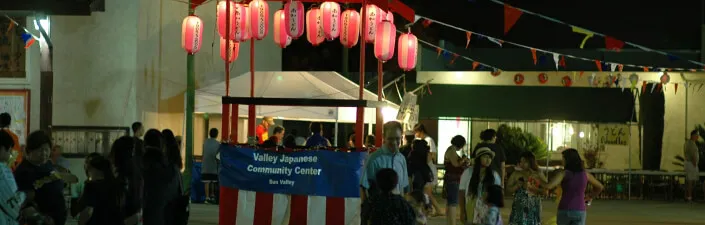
326	22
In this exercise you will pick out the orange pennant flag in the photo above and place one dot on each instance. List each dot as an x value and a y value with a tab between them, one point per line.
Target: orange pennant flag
581	74
439	52
475	64
620	66
658	87
455	56
30	42
468	35
646	69
643	87
599	65
675	88
533	55
511	15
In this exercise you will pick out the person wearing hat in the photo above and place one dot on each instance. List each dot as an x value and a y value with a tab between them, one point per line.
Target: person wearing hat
474	183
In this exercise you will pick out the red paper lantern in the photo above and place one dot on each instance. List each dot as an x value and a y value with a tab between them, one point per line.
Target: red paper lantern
241	23
234	50
314	27
350	28
280	37
567	81
259	19
191	34
294	15
373	15
407	51
221	16
518	79
543	78
331	20
384	40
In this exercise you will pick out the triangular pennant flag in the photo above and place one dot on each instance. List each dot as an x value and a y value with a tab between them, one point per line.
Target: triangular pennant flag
416	18
658	87
475	64
599	65
28	40
669	69
511	15
426	23
588	34
562	62
613	44
446	55
556	59
455	56
675	88
533	55
581	74
439	52
646	69
468	35
498	42
620	67
685	85
613	67
643	87
9	27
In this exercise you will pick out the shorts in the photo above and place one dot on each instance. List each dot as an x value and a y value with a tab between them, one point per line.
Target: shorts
571	217
691	172
209	177
452	190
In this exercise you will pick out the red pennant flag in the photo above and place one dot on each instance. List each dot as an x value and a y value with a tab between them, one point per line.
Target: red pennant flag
475	64
511	15
468	35
581	74
562	61
613	44
620	66
30	42
439	52
455	56
533	55
643	87
646	69
599	65
676	88
426	23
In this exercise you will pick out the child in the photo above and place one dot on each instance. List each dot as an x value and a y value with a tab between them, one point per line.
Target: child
389	208
524	183
495	201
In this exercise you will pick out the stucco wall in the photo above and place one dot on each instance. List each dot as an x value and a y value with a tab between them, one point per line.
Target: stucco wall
677	124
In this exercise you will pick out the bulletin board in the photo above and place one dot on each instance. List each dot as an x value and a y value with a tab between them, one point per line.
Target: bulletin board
16	102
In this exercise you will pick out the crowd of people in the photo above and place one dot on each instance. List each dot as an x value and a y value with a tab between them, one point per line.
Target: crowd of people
138	181
396	181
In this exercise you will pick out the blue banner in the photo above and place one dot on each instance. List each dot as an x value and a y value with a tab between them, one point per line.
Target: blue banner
314	172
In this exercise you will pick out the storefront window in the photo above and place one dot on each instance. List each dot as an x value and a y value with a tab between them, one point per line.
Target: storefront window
447	129
556	135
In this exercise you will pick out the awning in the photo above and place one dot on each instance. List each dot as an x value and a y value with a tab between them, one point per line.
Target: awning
580	104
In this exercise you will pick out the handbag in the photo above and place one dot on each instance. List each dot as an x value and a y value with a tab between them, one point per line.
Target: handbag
181	205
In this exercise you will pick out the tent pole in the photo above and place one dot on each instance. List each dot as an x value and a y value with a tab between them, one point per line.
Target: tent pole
380	117
251	111
359	123
190	103
225	116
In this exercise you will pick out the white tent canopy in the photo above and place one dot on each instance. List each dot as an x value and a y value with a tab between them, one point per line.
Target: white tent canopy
278	84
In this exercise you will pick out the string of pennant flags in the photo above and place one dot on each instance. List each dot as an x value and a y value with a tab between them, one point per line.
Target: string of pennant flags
558	58
512	15
26	36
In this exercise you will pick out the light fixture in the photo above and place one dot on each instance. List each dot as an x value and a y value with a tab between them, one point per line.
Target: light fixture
581	134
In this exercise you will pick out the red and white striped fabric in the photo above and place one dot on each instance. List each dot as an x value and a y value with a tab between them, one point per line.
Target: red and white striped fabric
240	23
294	16
407	51
331	20
385	39
280	37
350	28
374	15
259	19
240	207
314	27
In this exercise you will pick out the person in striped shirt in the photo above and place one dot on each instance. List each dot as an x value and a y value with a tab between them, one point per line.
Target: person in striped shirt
388	156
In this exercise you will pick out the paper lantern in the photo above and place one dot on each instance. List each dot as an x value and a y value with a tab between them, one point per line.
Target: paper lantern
221	16
294	15
389	16
543	78
566	81
191	34
350	28
385	37
234	50
407	51
280	37
259	19
373	15
314	27
241	23
518	79
331	20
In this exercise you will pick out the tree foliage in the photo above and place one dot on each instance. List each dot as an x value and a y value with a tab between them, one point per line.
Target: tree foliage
515	141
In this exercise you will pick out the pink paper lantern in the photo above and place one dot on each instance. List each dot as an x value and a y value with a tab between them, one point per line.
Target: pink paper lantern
259	19
350	28
407	51
389	16
385	36
280	37
314	27
221	16
374	15
294	15
234	50
331	20
241	23
191	34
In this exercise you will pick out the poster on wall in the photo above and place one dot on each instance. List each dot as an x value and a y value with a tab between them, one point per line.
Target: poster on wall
614	134
16	103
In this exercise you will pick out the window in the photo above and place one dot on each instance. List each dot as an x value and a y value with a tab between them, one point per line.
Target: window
447	129
557	135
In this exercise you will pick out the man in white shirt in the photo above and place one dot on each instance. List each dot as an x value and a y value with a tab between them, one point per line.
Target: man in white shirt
692	157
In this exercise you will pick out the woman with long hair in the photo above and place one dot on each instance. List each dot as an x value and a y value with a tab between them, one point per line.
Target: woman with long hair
128	177
455	165
103	199
172	149
574	180
524	183
474	184
161	181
